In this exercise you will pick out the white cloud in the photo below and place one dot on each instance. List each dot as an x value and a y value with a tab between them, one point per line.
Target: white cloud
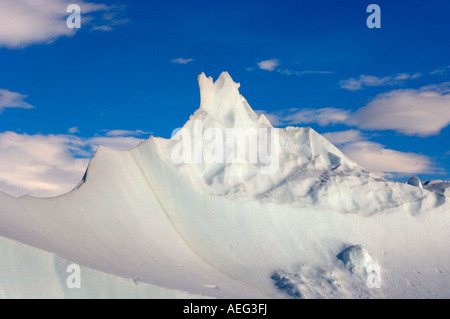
49	165
362	81
321	116
269	65
126	133
443	88
422	112
343	137
376	158
10	99
351	84
40	164
379	159
73	130
301	73
440	71
26	22
273	64
182	60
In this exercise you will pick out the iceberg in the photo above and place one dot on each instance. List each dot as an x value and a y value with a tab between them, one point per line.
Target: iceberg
226	229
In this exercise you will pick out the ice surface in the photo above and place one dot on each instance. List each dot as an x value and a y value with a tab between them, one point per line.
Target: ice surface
227	230
356	258
27	272
415	181
437	186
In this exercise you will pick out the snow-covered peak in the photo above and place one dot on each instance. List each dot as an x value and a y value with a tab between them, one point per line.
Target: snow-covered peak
302	168
222	101
224	123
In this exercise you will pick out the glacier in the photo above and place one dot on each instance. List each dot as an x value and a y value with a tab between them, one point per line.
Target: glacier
141	225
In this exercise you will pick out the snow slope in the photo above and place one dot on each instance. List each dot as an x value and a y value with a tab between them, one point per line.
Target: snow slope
228	230
27	272
437	186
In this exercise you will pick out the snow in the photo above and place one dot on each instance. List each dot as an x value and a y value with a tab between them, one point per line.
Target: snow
27	272
415	181
356	258
228	230
439	187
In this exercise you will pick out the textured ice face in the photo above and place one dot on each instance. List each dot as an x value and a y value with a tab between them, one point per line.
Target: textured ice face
356	258
301	166
223	103
224	112
415	181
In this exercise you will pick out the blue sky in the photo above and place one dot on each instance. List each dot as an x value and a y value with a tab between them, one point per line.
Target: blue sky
382	95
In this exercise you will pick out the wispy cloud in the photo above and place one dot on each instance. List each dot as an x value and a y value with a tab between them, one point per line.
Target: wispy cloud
421	112
301	73
354	84
49	165
27	22
379	159
322	116
73	130
273	65
10	99
343	137
116	133
182	60
269	65
107	18
440	71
